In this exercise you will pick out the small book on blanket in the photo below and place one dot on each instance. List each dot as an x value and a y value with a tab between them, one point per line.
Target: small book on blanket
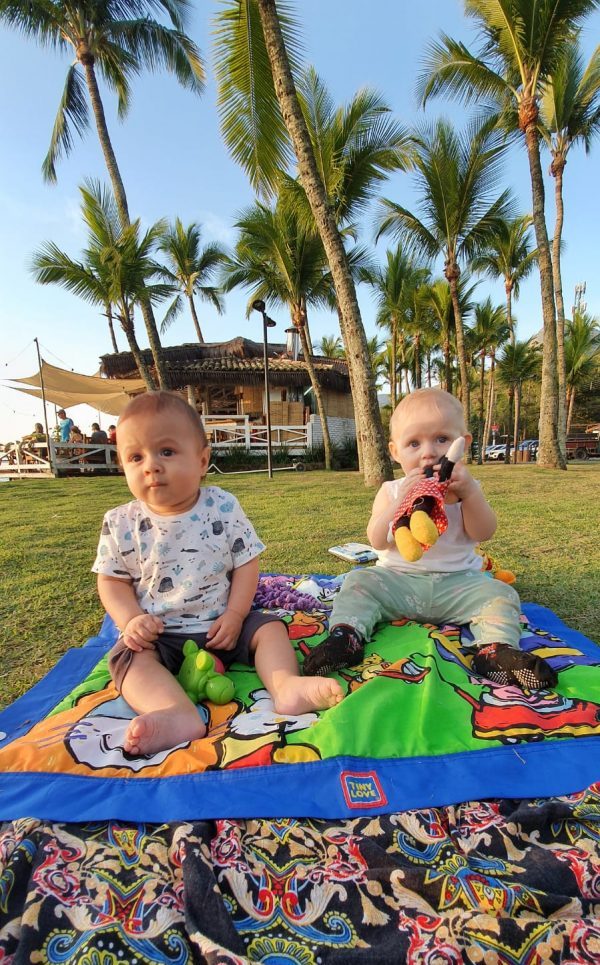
354	552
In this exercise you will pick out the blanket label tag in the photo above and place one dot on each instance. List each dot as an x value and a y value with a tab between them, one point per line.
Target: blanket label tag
362	790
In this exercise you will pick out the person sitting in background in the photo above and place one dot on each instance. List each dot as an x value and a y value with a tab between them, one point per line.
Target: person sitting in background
99	438
38	434
112	435
76	435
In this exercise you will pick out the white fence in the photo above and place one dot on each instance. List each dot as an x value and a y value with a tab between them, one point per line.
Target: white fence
225	432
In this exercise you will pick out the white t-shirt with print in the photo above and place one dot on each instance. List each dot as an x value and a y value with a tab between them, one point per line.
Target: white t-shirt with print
180	565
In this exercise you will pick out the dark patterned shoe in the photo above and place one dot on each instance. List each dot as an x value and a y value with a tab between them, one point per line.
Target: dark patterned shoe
344	647
506	665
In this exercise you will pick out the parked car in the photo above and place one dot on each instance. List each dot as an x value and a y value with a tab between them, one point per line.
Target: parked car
497	452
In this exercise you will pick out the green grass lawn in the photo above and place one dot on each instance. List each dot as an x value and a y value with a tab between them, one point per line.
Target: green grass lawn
547	534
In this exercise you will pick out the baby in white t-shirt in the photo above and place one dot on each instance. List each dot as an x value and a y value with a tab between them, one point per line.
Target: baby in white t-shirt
446	585
180	562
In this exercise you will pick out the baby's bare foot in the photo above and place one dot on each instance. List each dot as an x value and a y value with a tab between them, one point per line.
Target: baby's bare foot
161	729
300	695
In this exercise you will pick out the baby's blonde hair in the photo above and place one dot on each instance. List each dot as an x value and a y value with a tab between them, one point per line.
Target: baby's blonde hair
437	399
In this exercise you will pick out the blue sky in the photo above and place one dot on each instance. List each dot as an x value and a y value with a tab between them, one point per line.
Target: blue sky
173	164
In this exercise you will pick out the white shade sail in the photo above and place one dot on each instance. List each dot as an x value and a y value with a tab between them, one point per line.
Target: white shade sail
66	389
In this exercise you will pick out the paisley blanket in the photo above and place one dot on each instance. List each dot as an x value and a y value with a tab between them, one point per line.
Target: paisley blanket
502	881
415	730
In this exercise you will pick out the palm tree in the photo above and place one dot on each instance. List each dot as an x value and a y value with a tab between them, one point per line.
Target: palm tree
521	45
570	114
509	256
190	266
116	266
490	329
256	54
331	347
378	361
390	286
582	356
356	146
518	363
456	180
279	261
117	39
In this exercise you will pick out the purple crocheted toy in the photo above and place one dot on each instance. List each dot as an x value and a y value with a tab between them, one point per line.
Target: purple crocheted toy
277	593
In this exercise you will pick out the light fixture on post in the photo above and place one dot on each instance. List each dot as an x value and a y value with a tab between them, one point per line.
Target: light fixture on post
259	306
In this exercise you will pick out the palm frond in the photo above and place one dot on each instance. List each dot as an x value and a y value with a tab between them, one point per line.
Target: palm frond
173	311
450	68
251	122
72	112
392	219
157	47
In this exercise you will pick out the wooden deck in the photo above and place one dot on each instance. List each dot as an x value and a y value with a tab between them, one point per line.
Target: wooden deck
37	460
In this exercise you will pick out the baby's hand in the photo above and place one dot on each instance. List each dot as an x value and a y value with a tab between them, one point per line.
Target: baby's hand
408	482
224	632
141	631
462	483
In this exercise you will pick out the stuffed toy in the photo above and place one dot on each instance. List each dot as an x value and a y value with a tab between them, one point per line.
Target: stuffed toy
421	518
489	565
200	677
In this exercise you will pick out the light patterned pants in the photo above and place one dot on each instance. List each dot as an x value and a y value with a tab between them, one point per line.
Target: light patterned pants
379	594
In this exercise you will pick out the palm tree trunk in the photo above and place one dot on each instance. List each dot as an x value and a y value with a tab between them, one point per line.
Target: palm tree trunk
509	318
490	403
86	59
511	405
570	408
111	328
393	390
481	408
417	354
556	169
199	334
517	420
128	328
351	378
452	273
298	320
376	463
548	453
447	363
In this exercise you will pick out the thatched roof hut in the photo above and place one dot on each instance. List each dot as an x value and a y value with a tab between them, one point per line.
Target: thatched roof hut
238	361
228	377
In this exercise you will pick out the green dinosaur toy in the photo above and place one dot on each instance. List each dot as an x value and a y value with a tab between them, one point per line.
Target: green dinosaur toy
199	678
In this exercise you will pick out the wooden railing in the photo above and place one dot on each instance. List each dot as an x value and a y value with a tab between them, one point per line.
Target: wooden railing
57	459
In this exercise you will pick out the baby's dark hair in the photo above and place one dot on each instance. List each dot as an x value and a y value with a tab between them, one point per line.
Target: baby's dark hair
154	403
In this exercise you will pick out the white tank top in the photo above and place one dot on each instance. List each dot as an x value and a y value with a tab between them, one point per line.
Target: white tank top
454	550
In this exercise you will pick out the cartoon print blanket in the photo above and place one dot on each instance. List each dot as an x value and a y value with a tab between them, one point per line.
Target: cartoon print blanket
415	730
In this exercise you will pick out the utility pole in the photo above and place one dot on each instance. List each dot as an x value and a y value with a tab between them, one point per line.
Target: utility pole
48	440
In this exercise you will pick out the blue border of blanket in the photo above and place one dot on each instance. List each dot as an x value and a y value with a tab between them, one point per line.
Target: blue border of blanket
314	789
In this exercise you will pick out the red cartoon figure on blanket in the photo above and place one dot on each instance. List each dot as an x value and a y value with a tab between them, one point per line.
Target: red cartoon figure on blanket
421	518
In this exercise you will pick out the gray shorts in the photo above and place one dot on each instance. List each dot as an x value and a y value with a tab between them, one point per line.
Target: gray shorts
169	647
